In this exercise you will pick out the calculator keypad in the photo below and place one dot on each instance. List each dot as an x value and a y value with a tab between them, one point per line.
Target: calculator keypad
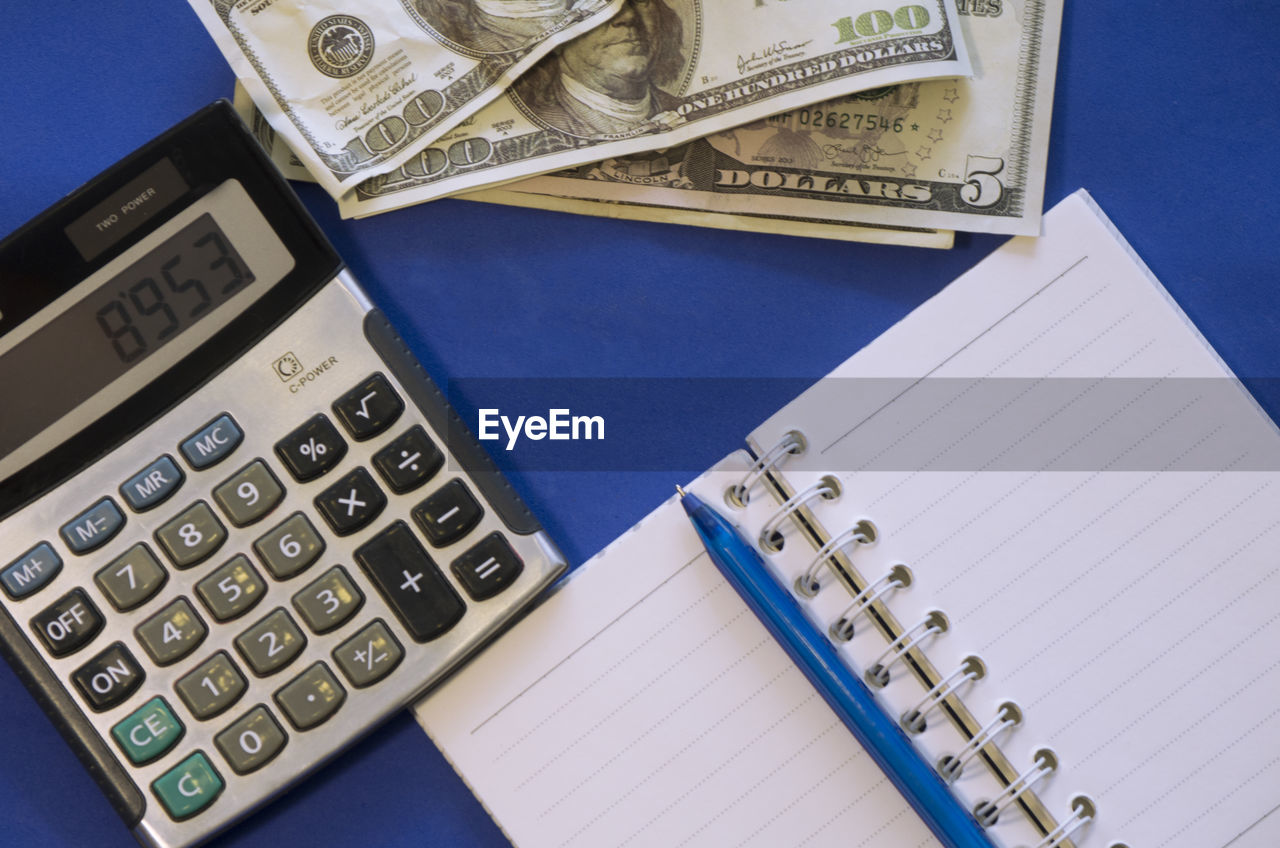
193	536
368	656
351	503
329	601
249	494
311	698
188	787
237	618
252	741
290	547
132	578
68	624
410	582
488	568
212	443
271	644
149	732
409	461
30	572
232	590
172	633
448	514
152	485
212	687
369	408
312	449
109	678
92	528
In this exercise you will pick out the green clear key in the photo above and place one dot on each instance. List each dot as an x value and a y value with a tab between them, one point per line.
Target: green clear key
188	788
148	732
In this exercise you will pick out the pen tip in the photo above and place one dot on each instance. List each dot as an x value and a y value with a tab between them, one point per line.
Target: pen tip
680	490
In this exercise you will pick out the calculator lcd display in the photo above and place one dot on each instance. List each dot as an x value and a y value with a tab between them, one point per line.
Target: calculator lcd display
96	340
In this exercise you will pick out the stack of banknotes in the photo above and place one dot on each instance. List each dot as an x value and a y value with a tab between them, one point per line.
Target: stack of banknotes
893	121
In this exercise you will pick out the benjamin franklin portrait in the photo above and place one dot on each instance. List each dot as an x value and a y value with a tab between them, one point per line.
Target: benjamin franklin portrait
613	79
493	26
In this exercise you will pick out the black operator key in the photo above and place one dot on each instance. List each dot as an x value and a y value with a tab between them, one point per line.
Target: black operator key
369	408
412	585
312	449
351	502
409	460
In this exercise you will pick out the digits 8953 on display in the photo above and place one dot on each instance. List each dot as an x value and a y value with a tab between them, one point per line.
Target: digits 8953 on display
239	526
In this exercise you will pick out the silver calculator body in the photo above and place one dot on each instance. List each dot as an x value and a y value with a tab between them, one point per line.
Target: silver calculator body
239	526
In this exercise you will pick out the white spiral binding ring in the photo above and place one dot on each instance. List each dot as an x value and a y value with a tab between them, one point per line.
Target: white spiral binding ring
934	622
1083	811
828	488
952	765
897	577
988	812
914	720
862	533
792	443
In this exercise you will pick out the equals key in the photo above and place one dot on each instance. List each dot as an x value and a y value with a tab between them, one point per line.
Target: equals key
408	461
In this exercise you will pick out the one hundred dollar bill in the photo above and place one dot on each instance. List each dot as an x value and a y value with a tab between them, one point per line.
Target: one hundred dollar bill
359	87
964	154
292	168
510	195
282	156
662	72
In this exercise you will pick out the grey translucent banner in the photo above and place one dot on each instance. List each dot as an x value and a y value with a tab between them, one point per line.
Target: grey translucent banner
934	424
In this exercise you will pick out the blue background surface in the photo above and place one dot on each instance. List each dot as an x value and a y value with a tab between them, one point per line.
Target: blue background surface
1167	112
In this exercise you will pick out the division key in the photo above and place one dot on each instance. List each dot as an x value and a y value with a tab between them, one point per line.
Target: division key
419	594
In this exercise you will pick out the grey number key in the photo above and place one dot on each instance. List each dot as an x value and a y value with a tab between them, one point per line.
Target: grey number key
290	547
368	656
131	578
232	590
193	536
252	741
172	633
249	494
271	644
311	697
328	601
212	687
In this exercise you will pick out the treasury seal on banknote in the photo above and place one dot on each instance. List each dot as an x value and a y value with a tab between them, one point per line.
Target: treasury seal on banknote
340	46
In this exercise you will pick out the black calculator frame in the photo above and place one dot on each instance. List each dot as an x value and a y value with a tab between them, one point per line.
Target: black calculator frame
39	263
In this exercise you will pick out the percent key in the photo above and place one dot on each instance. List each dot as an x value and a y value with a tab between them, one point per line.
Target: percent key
311	449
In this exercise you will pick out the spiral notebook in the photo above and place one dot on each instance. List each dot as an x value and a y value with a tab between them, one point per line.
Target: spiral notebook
1038	515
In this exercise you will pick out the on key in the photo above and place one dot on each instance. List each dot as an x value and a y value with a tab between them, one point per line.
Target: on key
412	585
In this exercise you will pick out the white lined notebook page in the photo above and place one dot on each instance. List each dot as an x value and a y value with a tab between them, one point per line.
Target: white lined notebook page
644	705
1079	484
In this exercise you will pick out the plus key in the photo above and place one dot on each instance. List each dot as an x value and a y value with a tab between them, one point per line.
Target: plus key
415	589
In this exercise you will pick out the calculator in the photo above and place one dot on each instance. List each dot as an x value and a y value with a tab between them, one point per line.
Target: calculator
239	525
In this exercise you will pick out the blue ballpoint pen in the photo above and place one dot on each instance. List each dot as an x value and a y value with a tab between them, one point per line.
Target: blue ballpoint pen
887	743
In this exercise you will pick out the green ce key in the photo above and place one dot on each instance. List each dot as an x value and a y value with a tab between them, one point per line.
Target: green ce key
149	732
